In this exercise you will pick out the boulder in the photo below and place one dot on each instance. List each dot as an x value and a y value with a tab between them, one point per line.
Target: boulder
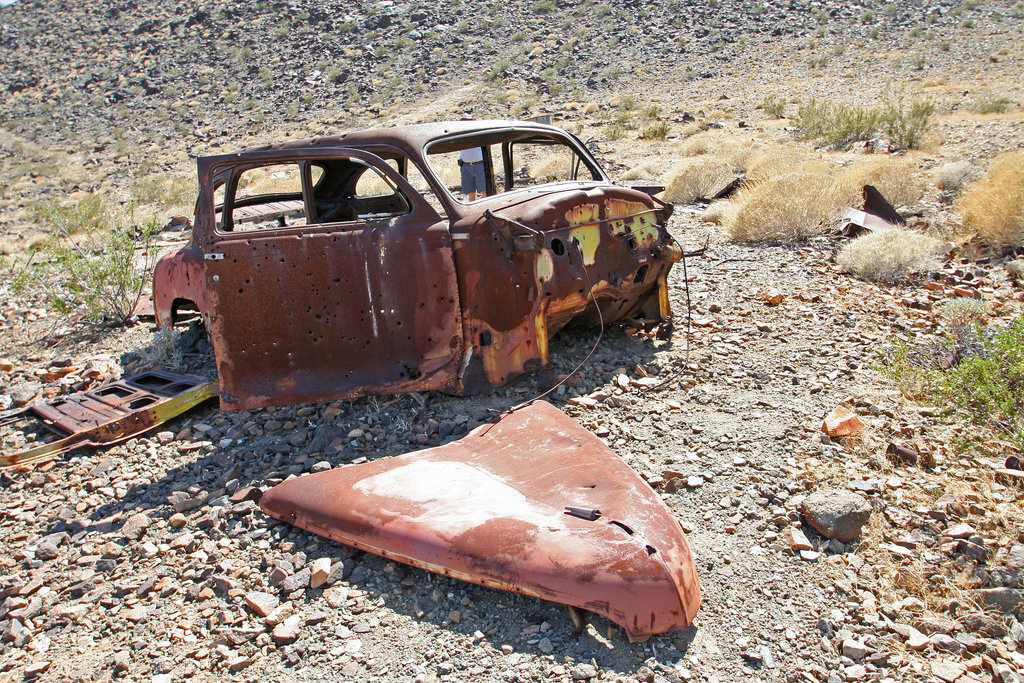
836	513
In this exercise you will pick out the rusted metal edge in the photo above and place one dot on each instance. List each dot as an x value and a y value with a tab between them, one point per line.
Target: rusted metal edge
110	414
533	504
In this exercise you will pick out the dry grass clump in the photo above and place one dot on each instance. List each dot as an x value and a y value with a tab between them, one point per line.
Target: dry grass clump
890	255
646	170
897	178
696	178
553	167
788	195
773	161
783	207
993	205
952	176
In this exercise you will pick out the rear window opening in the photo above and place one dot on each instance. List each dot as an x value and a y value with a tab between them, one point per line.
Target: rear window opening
491	163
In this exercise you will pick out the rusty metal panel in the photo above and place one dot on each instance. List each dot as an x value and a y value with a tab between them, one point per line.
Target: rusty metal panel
533	504
875	214
597	247
112	413
178	276
329	313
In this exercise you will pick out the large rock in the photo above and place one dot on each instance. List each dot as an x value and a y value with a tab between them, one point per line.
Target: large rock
836	513
1006	600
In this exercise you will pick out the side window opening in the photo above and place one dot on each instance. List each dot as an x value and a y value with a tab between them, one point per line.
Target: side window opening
267	196
355	190
545	161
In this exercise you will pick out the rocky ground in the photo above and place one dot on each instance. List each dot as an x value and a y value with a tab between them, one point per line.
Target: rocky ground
134	561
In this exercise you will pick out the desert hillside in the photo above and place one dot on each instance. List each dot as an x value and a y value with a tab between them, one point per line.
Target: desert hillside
835	420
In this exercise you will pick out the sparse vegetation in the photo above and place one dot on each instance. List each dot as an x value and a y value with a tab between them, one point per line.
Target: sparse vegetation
657	131
87	214
993	205
774	105
840	125
890	255
696	178
991	105
977	372
97	273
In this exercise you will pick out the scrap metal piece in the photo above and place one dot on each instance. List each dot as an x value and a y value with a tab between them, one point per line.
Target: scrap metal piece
491	509
110	414
875	214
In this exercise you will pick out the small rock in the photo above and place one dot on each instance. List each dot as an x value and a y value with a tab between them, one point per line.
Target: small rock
237	663
948	671
583	672
261	603
177	520
796	539
1006	600
854	649
836	513
842	422
979	622
135	526
36	668
320	572
287	631
299	579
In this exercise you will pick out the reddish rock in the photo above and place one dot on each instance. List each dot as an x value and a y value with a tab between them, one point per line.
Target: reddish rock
842	422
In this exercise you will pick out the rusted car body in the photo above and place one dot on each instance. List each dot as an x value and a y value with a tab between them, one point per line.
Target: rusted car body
534	504
351	265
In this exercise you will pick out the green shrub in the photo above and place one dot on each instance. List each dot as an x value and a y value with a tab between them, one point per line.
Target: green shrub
544	6
95	273
616	131
840	125
89	213
992	105
774	105
658	131
977	372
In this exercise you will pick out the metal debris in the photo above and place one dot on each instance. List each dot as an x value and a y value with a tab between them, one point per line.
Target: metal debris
875	214
494	509
112	413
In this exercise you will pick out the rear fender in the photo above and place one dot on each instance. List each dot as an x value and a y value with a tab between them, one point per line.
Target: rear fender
179	275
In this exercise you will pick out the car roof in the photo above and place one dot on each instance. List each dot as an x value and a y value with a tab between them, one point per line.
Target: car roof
410	138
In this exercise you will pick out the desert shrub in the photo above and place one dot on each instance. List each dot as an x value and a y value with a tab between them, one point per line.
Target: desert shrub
905	126
615	131
952	176
840	125
657	131
890	255
991	105
773	161
96	273
975	371
696	178
89	213
993	205
964	312
774	105
644	171
782	207
897	178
